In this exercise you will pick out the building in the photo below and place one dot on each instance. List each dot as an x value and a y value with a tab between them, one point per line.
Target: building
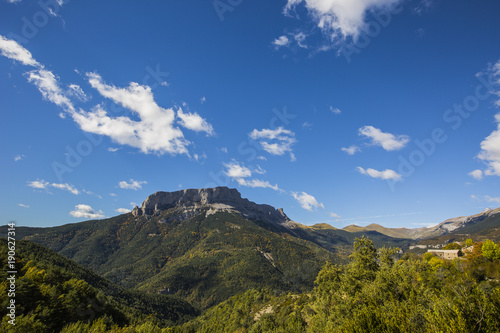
447	254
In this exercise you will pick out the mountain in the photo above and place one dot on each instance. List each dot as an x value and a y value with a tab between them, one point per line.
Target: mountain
450	226
479	227
201	245
392	232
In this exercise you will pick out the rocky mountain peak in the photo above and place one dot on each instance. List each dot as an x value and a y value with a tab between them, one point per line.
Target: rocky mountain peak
213	199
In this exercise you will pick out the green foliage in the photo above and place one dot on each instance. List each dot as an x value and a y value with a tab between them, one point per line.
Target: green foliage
52	291
372	293
452	246
490	250
469	242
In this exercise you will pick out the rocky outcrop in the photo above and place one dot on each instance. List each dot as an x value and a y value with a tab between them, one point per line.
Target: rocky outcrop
191	201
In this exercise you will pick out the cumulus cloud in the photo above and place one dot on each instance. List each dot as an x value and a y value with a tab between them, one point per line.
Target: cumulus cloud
340	19
13	50
275	142
122	210
132	184
490	151
43	185
154	132
240	173
351	150
386	174
281	41
387	141
194	122
87	212
476	174
307	201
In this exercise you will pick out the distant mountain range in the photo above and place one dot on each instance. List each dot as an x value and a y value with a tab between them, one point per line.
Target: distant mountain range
206	245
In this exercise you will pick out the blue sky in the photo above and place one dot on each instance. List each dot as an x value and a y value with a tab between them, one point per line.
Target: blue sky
339	111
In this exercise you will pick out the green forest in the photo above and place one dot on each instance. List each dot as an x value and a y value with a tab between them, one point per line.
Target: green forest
378	290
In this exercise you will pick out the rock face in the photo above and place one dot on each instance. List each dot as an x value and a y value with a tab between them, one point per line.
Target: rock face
191	201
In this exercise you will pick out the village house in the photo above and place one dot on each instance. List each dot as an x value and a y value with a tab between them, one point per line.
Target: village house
447	254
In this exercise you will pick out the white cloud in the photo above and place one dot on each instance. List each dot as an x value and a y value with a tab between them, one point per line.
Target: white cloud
23	205
200	158
203	100
490	151
476	174
340	19
13	50
262	158
42	185
112	195
235	170
38	184
307	201
283	140
239	173
47	84
153	133
387	141
18	158
337	217
194	122
66	187
351	150
87	212
257	183
386	174
113	150
77	91
132	184
335	111
123	210
224	150
281	41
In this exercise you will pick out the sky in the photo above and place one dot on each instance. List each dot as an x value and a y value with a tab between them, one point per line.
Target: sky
339	111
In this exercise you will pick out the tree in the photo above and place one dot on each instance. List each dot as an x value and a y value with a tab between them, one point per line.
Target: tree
452	246
469	242
490	250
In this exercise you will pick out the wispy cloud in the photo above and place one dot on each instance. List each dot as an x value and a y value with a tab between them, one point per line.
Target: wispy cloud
42	185
241	174
18	158
386	174
87	212
276	142
335	111
132	184
23	205
12	50
387	141
351	150
307	201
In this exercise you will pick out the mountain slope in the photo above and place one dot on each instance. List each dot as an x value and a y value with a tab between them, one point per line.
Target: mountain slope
55	291
203	245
